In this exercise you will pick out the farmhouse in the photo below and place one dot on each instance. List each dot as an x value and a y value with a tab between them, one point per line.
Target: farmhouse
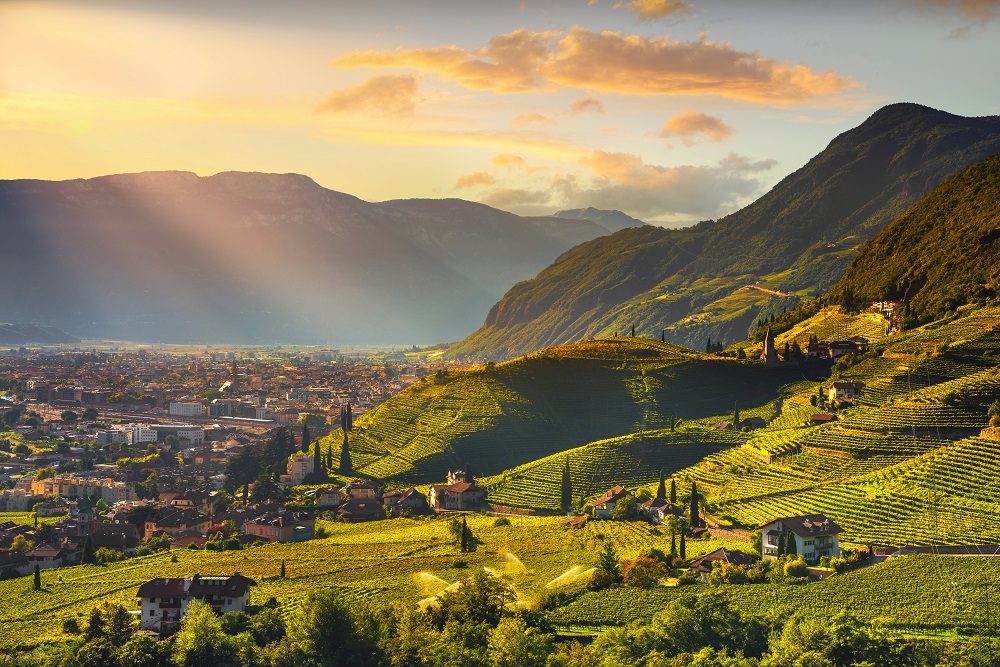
814	536
460	496
606	503
842	391
658	509
703	564
356	510
164	601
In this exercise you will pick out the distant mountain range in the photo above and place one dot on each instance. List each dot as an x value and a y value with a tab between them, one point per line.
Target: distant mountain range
716	279
613	221
941	254
259	258
32	334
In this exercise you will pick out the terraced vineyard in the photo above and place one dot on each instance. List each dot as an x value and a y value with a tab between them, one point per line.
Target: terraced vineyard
501	416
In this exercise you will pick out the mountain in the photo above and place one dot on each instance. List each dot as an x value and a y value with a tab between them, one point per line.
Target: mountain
716	279
251	257
33	334
942	253
613	221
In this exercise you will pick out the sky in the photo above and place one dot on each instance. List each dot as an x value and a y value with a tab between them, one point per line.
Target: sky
670	111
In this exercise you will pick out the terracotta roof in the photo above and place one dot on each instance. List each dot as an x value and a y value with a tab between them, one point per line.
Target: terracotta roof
614	494
808	525
463	487
722	554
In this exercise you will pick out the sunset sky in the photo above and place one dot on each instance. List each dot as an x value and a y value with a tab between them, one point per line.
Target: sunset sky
670	111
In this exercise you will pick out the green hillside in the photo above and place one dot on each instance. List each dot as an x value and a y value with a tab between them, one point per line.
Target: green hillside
944	252
501	416
801	235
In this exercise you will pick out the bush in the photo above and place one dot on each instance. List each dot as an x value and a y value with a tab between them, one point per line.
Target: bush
643	573
688	578
71	627
501	521
838	563
796	568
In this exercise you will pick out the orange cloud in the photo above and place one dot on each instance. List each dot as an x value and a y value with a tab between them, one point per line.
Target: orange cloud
587	104
687	126
654	9
511	63
509	161
529	118
980	10
473	180
389	94
612	62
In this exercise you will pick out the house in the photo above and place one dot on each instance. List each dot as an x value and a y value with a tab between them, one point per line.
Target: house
199	501
409	502
840	348
604	505
326	497
458	496
822	418
752	423
658	509
360	488
175	522
122	537
815	536
704	564
574	521
47	556
164	601
282	527
298	468
843	391
14	564
356	510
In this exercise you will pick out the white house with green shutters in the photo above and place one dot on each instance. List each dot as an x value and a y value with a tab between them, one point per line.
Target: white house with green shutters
815	536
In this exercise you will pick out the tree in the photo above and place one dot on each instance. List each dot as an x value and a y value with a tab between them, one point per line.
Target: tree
318	461
172	443
465	536
21	543
68	416
37	584
305	438
708	346
644	573
345	458
11	416
120	625
633	331
673	491
241	470
514	644
607	562
330	632
661	490
90	414
88	558
673	545
95	625
736	416
781	545
567	488
790	547
201	640
695	520
282	568
683	550
266	489
329	457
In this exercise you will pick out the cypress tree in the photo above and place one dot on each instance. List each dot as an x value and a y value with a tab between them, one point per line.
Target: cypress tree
88	552
567	488
661	491
38	578
736	416
683	547
708	345
673	491
305	437
329	457
673	545
790	548
282	569
663	335
317	459
695	520
465	536
633	331
345	458
781	545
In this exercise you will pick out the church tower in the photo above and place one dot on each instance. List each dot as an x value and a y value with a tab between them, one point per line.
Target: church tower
769	357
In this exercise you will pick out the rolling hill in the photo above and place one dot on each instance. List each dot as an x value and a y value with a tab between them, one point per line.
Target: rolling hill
250	257
500	416
942	253
717	278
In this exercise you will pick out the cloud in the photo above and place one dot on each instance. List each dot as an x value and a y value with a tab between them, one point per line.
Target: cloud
509	161
587	104
529	118
474	180
654	9
389	94
687	126
979	10
625	182
613	62
511	63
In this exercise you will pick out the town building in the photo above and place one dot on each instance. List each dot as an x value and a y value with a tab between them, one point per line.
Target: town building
164	601
298	468
185	409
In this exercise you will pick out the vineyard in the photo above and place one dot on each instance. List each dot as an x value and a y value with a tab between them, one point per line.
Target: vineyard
911	593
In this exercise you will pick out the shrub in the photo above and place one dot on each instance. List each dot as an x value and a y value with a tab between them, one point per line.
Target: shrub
796	568
501	521
688	578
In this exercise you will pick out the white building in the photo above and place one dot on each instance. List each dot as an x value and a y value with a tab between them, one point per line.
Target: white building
182	409
299	467
164	601
132	434
814	535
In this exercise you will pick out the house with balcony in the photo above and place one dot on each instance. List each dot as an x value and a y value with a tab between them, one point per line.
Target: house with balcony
165	600
815	536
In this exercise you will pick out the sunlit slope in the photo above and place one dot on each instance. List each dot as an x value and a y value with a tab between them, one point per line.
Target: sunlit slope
802	234
501	416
